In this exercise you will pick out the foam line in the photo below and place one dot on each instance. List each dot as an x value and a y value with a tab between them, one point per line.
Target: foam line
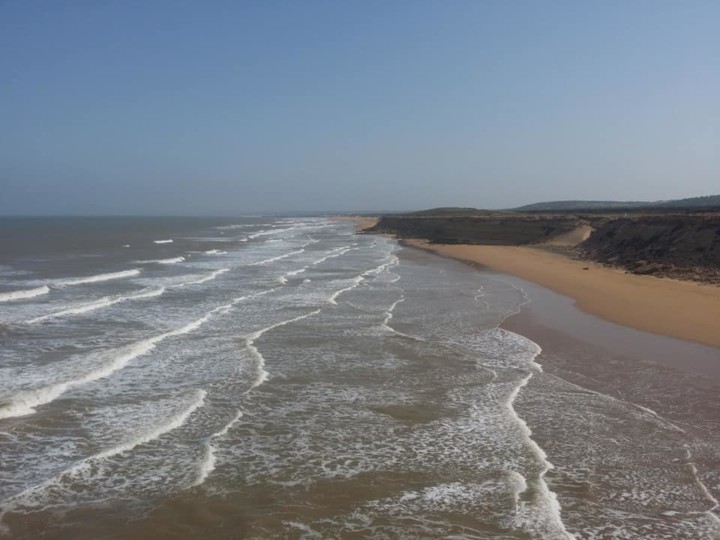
356	281
233	227
389	314
215	252
549	505
334	253
296	272
209	277
279	257
175	421
375	271
284	278
100	277
103	302
710	512
25	401
22	295
250	344
173	260
207	464
169	241
269	232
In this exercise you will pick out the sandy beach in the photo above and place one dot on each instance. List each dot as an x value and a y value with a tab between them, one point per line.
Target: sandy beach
361	222
679	309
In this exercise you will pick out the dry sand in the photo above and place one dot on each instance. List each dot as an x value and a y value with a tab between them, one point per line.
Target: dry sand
680	309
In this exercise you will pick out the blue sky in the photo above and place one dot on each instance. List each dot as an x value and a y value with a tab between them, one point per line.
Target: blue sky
178	107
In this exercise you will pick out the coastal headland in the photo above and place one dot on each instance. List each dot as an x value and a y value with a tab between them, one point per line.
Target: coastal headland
656	272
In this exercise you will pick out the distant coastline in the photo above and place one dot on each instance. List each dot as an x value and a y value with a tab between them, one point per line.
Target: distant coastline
681	309
361	222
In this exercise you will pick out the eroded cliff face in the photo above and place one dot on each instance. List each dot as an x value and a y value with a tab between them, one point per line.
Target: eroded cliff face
686	246
490	230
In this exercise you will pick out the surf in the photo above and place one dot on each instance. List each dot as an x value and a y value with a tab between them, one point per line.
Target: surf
100	277
261	374
98	304
29	497
173	260
24	402
24	294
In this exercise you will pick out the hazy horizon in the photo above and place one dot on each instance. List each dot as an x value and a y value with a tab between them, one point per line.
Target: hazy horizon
261	108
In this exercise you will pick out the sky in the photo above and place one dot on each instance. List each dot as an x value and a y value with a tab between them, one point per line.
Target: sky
235	107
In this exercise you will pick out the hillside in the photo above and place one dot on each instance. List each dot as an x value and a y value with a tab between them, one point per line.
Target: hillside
672	244
559	206
675	246
492	229
707	202
449	211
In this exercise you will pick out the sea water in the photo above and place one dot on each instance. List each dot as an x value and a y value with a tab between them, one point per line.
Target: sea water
287	377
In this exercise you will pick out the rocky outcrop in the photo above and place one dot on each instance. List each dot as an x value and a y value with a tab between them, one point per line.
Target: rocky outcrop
685	246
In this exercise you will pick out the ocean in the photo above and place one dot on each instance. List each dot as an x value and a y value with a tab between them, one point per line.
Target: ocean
289	378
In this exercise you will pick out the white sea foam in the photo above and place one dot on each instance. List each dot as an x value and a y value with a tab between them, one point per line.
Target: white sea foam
98	304
207	464
710	512
24	402
296	272
385	267
292	273
100	277
333	253
479	298
22	295
169	241
215	252
270	232
305	531
233	227
33	496
355	282
173	260
209	277
278	258
389	314
542	512
250	339
173	422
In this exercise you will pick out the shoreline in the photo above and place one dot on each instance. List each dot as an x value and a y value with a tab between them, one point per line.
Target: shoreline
361	222
678	309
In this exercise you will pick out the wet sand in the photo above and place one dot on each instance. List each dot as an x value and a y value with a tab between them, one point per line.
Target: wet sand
679	309
556	323
673	382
